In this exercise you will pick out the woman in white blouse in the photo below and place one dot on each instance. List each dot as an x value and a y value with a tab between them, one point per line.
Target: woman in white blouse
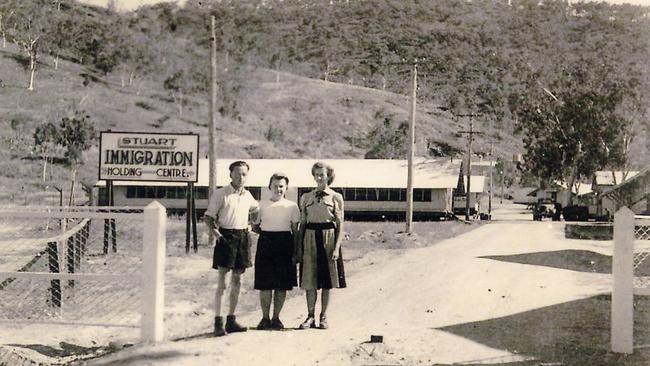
275	258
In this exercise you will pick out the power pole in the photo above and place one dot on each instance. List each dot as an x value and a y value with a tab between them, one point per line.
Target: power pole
212	123
470	134
411	143
490	197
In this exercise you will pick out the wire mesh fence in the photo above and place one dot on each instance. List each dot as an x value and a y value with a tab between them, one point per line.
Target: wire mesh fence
79	265
641	264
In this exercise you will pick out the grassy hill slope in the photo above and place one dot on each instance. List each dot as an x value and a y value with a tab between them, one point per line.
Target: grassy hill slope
280	115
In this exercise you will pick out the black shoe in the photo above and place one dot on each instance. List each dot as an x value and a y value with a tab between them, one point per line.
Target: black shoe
264	324
310	322
218	327
323	322
232	326
276	324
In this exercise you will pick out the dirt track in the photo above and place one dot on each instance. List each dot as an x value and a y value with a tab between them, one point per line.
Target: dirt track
439	305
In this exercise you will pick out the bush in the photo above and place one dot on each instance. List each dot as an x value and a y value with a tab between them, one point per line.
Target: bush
144	105
575	213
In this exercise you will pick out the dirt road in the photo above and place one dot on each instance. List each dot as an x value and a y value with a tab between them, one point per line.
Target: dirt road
437	305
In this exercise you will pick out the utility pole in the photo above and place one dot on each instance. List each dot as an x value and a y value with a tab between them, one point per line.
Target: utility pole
490	196
411	143
211	123
470	134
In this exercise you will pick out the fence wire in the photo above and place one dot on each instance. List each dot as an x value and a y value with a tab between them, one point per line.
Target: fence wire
80	266
641	252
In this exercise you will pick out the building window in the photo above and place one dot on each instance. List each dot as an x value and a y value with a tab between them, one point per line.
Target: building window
170	193
348	194
130	192
383	195
102	198
140	192
371	194
181	192
360	194
201	193
421	195
256	192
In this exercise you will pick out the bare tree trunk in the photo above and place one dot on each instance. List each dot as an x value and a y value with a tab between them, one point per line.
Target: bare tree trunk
327	70
56	61
572	182
44	166
131	77
72	186
32	70
180	104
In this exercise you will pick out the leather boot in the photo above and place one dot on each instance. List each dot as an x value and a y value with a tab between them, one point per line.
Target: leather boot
218	327
232	326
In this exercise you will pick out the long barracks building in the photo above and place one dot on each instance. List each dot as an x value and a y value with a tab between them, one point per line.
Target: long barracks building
372	189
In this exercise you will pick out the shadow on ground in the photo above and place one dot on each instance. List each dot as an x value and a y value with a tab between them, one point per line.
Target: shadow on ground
575	260
574	333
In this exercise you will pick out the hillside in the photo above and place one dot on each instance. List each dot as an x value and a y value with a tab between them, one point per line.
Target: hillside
282	115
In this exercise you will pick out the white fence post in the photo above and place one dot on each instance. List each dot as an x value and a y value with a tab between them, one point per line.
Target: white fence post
623	286
153	272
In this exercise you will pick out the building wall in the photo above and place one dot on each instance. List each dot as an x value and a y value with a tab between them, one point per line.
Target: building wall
441	201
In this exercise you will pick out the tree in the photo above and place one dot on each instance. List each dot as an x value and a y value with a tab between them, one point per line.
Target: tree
575	126
5	17
29	27
46	138
385	141
76	136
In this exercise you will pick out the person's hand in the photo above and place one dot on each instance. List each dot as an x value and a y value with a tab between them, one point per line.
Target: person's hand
335	254
216	233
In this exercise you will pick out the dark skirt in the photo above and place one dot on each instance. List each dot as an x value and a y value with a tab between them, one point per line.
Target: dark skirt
274	269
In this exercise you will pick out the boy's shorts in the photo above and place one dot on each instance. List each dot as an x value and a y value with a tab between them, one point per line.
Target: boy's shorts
232	250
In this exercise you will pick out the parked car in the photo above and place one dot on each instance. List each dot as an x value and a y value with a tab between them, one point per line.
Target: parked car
544	209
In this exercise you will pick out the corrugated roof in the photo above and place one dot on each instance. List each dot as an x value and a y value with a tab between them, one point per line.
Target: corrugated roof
361	173
612	178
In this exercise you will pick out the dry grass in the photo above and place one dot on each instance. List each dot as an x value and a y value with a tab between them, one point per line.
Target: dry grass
289	118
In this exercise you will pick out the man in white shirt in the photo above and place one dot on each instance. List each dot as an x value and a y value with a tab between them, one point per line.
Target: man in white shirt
229	212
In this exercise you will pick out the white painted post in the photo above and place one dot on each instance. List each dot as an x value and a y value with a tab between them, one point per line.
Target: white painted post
153	272
622	285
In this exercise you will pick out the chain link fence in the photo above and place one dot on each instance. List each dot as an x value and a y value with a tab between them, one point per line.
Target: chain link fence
641	264
78	265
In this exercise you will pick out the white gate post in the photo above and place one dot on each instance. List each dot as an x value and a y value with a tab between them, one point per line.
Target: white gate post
153	272
622	284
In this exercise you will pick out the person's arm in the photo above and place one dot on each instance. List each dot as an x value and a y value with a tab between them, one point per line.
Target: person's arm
300	231
297	253
212	214
253	210
338	230
212	226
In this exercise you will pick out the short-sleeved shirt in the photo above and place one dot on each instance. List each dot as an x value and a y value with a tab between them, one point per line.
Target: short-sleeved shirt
322	206
278	215
231	207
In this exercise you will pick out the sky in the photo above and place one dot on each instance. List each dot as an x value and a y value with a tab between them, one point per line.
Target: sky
133	4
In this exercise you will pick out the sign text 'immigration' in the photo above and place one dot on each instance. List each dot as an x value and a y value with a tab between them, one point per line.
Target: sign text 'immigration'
149	157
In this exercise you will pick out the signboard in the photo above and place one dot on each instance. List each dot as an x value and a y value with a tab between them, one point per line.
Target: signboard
140	156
